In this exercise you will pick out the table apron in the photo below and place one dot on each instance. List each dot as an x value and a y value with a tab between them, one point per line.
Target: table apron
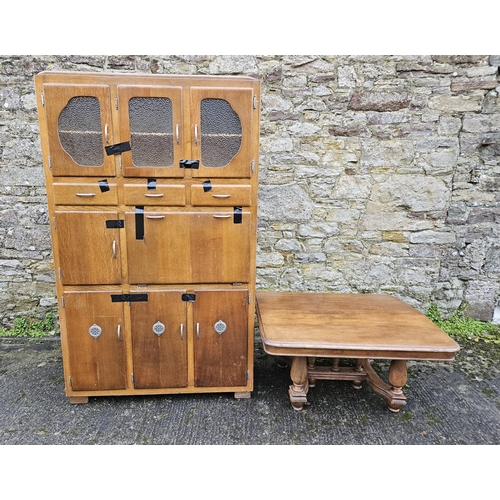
360	353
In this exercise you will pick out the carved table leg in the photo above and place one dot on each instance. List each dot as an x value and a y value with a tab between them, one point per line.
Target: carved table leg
393	393
358	384
298	390
397	378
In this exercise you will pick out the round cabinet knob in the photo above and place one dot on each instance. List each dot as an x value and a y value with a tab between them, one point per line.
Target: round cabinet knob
220	327
95	331
158	328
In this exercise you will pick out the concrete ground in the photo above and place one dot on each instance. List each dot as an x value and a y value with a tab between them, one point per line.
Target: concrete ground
447	404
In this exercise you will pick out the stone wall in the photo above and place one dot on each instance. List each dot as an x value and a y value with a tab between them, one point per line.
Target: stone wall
377	174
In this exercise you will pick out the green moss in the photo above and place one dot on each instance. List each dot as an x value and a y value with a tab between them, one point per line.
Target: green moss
461	326
24	327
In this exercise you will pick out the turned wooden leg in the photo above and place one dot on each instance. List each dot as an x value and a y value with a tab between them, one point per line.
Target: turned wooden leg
335	364
298	390
398	376
311	361
358	384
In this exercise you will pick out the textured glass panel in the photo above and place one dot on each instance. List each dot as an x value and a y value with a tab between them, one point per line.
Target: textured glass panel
151	130
80	132
220	133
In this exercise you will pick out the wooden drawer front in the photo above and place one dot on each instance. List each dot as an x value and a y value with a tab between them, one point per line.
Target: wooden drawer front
221	195
85	193
163	194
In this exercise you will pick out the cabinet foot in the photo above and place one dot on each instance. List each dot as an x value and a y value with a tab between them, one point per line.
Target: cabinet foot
243	395
78	400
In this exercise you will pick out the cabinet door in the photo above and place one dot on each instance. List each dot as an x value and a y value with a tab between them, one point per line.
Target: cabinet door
151	120
79	127
94	324
186	247
221	121
88	247
221	338
159	340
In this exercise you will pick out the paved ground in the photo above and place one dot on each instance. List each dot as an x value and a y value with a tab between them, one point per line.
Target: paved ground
448	403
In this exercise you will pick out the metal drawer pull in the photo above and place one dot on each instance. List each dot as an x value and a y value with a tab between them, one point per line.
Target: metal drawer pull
155	216
114	249
85	194
196	134
106	133
119	332
221	196
177	133
222	216
154	195
197	330
182	331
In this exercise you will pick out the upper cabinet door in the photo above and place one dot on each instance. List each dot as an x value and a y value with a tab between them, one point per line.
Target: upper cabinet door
221	126
80	126
151	121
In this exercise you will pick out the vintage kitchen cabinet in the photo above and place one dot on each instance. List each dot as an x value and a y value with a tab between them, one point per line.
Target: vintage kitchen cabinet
152	194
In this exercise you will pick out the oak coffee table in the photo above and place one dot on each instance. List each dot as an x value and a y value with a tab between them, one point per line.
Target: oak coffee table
364	327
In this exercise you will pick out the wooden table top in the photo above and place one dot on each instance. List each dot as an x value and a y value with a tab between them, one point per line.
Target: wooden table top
348	325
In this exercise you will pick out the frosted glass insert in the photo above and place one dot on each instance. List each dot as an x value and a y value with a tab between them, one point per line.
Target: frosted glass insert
80	134
151	131
220	133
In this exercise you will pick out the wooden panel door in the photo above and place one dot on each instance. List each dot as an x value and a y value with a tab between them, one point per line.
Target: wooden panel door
151	121
221	338
159	340
187	247
94	325
89	252
79	127
221	125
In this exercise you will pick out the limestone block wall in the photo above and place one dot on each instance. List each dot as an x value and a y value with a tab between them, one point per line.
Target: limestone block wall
378	174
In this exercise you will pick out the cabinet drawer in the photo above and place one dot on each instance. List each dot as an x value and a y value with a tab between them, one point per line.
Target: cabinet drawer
85	193
163	194
221	195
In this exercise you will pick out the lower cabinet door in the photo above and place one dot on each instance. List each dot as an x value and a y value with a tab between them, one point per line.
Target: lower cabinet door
159	340
221	338
94	324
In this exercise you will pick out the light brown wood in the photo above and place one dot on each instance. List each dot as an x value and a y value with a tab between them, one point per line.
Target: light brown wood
240	101
221	195
89	251
57	98
350	323
84	193
95	363
130	167
160	360
220	358
189	249
163	194
363	327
